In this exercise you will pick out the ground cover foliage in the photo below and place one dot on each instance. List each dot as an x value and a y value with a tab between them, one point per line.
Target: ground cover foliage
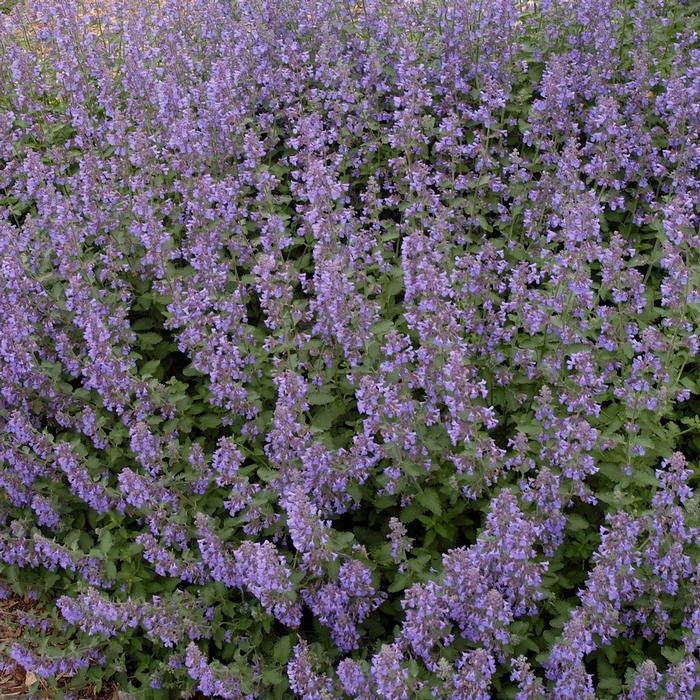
350	350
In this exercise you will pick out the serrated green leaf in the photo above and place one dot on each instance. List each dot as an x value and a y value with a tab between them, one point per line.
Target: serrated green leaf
283	649
431	500
320	398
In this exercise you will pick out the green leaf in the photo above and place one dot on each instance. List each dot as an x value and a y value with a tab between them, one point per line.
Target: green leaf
106	542
410	512
611	684
267	474
272	676
576	522
110	568
431	500
325	417
382	328
399	583
209	420
149	339
320	398
282	649
142	324
150	368
674	655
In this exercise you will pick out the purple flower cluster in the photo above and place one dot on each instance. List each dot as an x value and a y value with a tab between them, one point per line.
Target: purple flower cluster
350	349
167	621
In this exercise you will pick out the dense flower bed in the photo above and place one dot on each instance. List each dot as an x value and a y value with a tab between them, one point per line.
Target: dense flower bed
350	349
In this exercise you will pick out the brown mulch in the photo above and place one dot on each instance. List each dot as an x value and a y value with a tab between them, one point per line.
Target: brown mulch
17	683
